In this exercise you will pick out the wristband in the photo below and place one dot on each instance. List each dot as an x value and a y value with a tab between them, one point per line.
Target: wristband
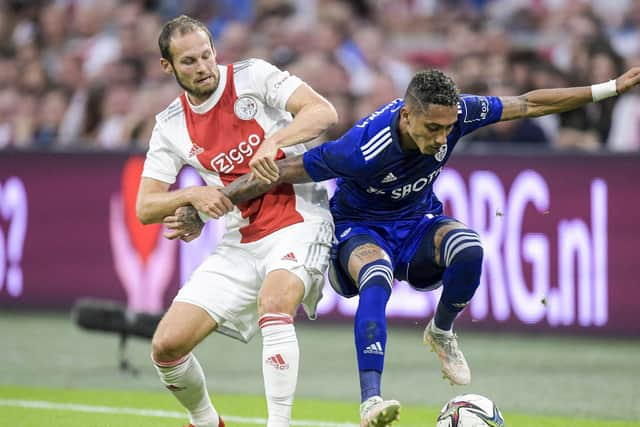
603	90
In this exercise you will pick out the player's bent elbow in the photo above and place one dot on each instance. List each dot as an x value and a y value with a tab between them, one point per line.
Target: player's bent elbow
144	219
332	115
144	214
324	115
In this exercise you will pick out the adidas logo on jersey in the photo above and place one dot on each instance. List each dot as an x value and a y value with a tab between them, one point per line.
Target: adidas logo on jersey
389	178
290	257
375	348
195	150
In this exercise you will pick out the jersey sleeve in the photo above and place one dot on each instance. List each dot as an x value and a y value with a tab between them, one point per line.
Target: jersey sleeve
161	162
341	158
275	85
478	111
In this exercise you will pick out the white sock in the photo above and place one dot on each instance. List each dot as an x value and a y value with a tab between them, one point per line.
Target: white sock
439	331
280	359
185	379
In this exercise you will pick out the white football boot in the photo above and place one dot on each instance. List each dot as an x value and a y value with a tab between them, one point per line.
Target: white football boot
454	365
375	412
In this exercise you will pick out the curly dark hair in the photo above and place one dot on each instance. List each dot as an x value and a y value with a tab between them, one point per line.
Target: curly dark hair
182	24
431	87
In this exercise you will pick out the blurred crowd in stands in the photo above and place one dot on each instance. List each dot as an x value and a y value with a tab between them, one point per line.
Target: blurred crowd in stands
85	74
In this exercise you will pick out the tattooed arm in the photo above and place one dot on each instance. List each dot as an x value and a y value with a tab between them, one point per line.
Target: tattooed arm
246	187
186	224
544	101
550	101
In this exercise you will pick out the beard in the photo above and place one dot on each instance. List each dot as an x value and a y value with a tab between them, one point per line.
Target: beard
194	91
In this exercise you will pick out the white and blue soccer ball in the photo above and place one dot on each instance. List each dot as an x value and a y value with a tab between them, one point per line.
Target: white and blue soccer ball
470	410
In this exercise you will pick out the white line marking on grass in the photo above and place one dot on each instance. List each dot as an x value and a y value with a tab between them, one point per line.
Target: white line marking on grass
75	407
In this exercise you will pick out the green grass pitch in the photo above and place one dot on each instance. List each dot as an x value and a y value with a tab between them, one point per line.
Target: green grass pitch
35	407
53	374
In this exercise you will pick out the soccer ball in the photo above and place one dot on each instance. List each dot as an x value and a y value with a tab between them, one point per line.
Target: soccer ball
470	410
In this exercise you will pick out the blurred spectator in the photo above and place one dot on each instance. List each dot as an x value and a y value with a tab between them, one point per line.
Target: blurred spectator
624	135
588	128
382	91
139	121
8	69
52	34
8	100
625	127
234	42
468	71
96	45
32	77
343	103
128	28
50	112
375	58
114	108
545	75
321	73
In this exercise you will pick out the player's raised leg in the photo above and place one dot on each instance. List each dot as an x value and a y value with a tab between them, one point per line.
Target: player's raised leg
279	298
456	249
370	268
180	330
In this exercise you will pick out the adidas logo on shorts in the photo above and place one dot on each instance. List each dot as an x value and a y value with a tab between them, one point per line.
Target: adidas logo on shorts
289	257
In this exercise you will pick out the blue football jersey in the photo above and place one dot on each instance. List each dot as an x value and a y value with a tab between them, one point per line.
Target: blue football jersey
377	179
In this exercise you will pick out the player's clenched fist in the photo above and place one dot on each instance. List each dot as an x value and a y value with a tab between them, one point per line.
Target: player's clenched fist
185	224
263	163
211	201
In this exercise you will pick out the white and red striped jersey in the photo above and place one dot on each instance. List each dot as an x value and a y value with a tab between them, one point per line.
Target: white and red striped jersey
219	137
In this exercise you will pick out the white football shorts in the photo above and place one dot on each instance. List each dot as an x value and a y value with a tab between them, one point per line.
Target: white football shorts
227	283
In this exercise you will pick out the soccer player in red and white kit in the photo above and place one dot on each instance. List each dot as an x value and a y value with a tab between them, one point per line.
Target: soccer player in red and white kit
231	120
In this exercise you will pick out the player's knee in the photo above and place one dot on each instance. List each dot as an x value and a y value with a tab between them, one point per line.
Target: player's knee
275	303
281	293
168	347
461	246
471	256
271	304
465	267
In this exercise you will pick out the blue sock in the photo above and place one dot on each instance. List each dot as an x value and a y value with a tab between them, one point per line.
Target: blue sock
369	384
461	253
370	326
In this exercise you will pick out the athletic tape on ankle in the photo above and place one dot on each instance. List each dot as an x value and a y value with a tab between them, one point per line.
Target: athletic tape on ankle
603	90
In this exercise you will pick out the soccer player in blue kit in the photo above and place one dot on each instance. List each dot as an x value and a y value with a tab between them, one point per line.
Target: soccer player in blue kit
389	222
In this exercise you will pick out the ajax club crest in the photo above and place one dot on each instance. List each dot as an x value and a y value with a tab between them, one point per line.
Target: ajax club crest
245	108
441	153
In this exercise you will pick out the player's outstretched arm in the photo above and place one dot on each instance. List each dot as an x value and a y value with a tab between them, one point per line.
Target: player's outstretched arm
247	187
550	101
